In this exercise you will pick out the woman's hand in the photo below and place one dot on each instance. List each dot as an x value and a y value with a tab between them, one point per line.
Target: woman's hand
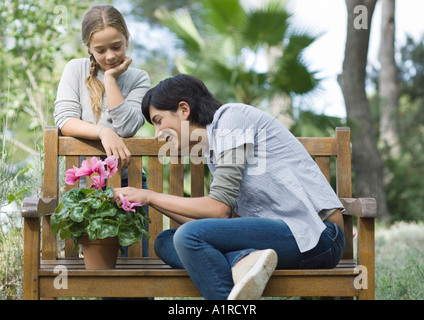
114	145
120	69
132	195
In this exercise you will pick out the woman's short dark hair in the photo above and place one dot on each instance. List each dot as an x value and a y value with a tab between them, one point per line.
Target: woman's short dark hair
170	92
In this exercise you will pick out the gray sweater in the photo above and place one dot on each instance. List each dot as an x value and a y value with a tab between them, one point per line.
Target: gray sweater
73	98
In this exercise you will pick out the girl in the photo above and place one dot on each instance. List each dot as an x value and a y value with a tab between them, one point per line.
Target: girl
290	215
99	98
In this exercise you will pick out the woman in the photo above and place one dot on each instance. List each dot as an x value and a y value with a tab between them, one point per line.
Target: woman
290	216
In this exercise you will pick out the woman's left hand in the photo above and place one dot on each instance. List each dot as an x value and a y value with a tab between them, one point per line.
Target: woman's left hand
132	195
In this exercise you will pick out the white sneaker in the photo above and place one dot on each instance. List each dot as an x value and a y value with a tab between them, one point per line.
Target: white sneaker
251	274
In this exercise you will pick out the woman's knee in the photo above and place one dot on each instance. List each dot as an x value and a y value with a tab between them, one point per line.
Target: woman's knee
163	241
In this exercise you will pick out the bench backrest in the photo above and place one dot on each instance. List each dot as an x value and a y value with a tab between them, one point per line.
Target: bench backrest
171	177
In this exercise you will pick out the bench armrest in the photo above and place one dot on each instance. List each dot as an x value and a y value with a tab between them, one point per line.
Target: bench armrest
38	207
360	207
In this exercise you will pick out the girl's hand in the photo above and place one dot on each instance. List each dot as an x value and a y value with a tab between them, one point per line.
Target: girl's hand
120	69
114	145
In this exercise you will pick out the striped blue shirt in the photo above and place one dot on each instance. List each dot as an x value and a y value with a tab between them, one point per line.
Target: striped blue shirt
280	180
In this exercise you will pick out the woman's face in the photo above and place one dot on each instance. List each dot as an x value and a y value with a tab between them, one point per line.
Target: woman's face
109	47
168	124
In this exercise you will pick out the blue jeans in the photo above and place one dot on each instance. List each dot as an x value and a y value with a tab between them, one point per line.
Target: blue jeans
209	248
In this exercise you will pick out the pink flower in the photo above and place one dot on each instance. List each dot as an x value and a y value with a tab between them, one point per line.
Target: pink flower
127	205
70	177
85	171
112	164
99	167
99	182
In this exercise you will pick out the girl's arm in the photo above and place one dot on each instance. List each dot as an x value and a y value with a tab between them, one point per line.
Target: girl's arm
112	143
126	112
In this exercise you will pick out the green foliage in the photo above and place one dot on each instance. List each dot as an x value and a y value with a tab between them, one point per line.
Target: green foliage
33	35
227	40
93	213
405	185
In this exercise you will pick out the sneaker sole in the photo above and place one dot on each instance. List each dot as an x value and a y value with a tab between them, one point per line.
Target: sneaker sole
252	285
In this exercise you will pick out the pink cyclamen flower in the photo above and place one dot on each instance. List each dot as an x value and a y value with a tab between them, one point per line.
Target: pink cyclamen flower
99	182
99	167
85	171
127	205
70	177
112	164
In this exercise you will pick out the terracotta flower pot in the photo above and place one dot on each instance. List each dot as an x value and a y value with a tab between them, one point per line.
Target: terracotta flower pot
100	254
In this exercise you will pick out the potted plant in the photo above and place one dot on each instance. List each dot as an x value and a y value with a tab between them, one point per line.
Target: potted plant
89	216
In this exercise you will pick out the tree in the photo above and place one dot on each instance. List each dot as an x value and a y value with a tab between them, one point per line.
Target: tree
388	82
33	35
405	186
225	47
366	159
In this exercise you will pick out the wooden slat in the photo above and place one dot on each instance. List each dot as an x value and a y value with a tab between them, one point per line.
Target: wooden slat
320	146
176	182
155	184
50	187
70	162
135	170
324	165
344	183
137	146
197	175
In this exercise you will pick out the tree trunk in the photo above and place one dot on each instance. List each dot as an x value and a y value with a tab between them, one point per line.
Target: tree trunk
366	160
387	80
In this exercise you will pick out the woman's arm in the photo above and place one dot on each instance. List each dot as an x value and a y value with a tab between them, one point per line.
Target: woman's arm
179	207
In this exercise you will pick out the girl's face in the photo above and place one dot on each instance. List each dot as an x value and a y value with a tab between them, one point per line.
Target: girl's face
109	47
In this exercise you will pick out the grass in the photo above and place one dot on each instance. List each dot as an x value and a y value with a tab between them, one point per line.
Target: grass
399	262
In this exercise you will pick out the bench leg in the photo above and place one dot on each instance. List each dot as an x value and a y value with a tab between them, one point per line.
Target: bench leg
31	258
366	255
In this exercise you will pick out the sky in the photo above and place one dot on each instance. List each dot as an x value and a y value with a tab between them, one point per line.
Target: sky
326	17
327	53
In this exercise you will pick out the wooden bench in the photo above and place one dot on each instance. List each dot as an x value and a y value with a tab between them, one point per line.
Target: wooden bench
149	276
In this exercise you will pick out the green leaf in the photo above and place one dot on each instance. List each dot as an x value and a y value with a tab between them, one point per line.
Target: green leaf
77	214
95	224
73	197
109	228
77	229
56	224
129	235
107	209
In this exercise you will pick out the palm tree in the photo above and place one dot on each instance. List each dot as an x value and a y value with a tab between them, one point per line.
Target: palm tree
231	42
